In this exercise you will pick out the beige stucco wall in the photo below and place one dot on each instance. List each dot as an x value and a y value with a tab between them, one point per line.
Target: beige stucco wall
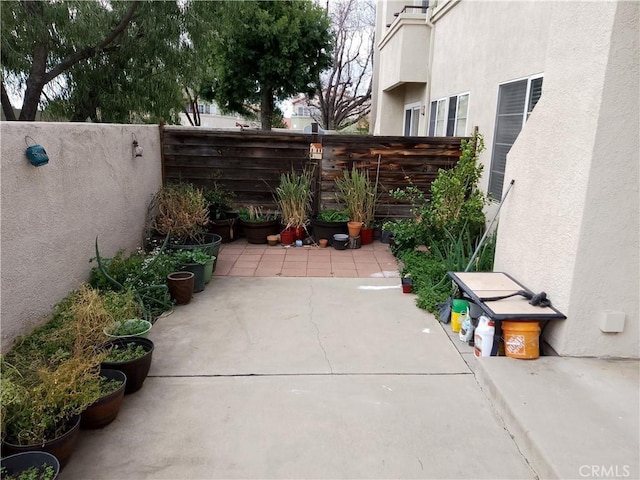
571	224
51	215
477	46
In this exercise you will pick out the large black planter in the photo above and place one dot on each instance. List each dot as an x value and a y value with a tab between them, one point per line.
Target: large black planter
137	369
61	447
105	410
326	230
227	227
257	232
14	465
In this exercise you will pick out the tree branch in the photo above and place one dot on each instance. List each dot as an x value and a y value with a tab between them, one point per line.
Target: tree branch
89	52
7	108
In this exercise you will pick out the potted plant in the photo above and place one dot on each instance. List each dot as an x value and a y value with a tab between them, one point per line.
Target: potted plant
358	194
50	376
257	224
221	221
29	466
180	212
131	327
329	222
132	356
105	409
293	196
194	261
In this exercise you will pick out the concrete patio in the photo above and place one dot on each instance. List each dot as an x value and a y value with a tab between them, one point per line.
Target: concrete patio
303	377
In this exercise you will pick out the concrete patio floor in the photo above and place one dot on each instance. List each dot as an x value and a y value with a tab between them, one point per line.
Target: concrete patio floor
341	378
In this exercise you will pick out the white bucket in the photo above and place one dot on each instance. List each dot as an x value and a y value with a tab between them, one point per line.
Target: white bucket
483	338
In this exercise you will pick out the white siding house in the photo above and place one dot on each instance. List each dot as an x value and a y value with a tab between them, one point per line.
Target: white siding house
554	89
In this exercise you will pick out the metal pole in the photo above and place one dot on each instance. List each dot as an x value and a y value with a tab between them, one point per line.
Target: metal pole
486	232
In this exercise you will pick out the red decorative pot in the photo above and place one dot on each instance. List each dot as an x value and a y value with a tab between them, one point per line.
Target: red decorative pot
287	237
366	236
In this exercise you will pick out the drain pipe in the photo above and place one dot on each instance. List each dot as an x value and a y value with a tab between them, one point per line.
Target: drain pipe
486	232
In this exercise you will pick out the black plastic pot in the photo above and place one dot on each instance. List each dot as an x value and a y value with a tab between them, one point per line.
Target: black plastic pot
198	274
15	464
105	410
227	227
137	369
327	230
61	447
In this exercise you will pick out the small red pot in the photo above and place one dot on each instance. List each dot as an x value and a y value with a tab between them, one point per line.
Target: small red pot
287	237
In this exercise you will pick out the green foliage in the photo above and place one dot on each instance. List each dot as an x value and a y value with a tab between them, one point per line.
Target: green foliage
119	354
220	201
195	255
408	234
456	199
331	215
42	472
128	327
262	52
135	78
142	274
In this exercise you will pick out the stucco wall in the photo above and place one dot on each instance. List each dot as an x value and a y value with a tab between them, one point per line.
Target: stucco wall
477	46
570	226
52	214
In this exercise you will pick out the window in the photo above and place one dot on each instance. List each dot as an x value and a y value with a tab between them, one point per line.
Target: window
516	101
448	116
411	120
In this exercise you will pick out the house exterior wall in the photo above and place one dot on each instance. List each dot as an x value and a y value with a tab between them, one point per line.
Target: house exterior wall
508	42
570	226
51	215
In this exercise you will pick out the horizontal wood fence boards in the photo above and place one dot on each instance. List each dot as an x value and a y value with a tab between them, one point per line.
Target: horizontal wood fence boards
250	163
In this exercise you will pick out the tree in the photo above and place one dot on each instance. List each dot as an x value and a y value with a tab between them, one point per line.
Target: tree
105	61
265	51
344	92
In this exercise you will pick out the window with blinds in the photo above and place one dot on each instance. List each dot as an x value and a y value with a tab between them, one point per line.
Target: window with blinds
448	116
516	101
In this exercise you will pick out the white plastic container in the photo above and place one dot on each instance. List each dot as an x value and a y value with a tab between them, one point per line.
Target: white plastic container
483	338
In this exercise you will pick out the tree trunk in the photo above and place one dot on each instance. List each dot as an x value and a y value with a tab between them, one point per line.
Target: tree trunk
266	109
7	108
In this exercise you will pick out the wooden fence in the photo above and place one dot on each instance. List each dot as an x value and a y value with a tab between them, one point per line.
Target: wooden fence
250	163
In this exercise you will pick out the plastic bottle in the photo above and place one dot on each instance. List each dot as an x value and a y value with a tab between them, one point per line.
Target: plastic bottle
483	338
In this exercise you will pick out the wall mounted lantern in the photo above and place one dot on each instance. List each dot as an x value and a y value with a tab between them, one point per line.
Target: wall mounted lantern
137	149
36	153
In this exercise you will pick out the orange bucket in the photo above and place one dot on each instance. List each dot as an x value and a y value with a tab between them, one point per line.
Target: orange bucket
521	339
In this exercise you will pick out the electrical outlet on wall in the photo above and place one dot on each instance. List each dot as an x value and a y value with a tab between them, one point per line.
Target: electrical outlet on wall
612	321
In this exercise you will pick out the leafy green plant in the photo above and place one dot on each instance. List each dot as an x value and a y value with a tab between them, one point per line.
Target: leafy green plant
131	326
118	354
195	255
293	196
220	201
142	274
42	472
457	202
332	215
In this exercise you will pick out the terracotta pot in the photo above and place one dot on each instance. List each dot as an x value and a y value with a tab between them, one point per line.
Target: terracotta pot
354	228
323	242
181	286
